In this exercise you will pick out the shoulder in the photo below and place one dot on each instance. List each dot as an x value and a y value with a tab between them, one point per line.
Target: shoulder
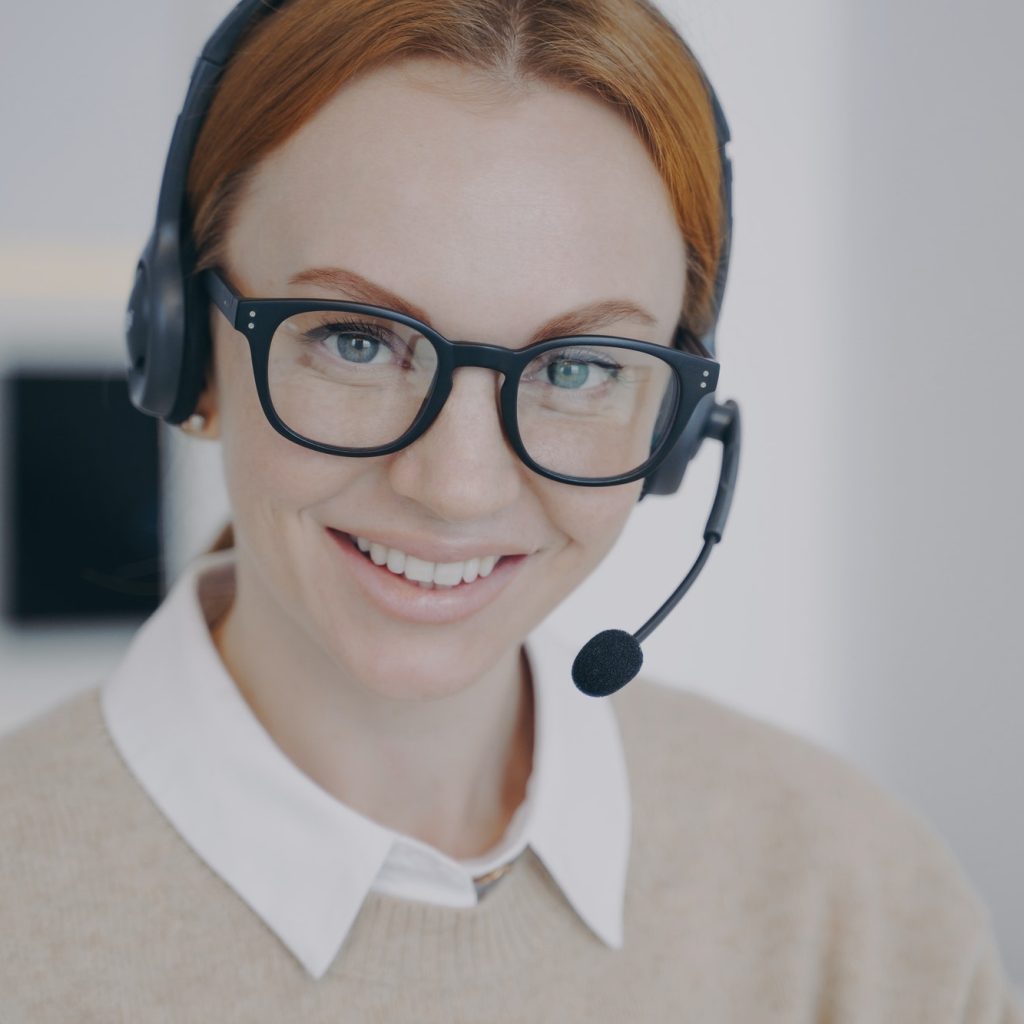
82	849
60	743
745	765
66	797
786	814
60	778
90	871
752	840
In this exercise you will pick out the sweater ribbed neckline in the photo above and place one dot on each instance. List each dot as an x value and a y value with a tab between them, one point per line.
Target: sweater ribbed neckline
523	917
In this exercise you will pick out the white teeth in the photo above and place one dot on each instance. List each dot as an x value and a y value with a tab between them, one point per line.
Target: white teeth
448	574
415	568
428	574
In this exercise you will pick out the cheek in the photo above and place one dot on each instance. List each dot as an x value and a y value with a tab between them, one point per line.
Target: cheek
264	471
590	517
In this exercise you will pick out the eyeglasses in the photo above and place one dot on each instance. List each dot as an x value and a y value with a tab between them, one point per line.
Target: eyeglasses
346	378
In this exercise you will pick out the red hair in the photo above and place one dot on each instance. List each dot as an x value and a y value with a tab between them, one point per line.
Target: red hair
624	51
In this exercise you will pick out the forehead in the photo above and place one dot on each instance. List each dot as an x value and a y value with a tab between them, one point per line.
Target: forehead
477	203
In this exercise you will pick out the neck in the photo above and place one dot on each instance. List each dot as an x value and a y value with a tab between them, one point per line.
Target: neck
450	771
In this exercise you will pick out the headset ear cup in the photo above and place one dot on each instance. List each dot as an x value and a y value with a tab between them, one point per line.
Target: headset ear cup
198	347
167	330
669	475
154	326
136	329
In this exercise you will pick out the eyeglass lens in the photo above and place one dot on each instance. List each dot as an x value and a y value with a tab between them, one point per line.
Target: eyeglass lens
589	410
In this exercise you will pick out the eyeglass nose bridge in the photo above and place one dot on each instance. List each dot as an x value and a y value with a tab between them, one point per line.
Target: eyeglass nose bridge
486	357
477	355
503	361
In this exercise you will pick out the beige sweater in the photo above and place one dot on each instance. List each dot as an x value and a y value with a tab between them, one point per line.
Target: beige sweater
768	882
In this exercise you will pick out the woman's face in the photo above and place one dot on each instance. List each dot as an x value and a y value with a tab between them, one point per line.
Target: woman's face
493	215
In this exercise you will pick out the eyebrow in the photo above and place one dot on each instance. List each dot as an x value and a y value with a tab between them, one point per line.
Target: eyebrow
579	321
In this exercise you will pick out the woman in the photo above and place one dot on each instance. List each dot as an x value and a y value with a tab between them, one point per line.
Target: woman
340	774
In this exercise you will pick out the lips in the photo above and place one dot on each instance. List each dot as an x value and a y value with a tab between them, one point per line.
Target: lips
420	601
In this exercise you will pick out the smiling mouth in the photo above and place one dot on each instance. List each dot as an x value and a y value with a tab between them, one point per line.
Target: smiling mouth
427	575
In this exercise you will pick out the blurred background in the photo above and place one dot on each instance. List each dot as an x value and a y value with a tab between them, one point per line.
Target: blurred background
867	594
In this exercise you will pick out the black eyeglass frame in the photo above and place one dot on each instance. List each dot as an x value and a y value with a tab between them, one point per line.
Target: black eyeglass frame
257	320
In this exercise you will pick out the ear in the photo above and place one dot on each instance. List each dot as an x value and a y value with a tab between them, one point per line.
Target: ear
205	419
209	404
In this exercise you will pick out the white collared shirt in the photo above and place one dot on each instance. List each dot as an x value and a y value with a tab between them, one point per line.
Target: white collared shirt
303	860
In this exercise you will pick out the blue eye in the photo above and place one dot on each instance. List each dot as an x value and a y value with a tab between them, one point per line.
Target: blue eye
577	371
354	343
356	349
565	374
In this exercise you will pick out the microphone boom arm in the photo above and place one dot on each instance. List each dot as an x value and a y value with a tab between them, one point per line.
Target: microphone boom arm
723	425
612	658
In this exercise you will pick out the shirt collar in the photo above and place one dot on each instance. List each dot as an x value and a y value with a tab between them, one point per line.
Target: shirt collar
300	858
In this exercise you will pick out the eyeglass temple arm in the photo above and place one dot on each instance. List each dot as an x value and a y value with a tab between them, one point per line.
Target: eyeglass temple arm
224	296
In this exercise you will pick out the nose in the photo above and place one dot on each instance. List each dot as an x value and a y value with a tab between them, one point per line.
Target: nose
463	468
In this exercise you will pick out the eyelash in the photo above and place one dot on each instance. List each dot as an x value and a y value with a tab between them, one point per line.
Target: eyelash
351	327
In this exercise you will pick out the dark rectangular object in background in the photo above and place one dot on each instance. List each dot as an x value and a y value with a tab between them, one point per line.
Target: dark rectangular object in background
83	499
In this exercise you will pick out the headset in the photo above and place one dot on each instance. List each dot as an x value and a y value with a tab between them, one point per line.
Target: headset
168	334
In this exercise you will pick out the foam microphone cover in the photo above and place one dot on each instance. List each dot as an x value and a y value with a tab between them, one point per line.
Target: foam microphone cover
607	662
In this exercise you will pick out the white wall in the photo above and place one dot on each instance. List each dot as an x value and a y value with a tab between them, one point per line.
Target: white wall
866	591
932	663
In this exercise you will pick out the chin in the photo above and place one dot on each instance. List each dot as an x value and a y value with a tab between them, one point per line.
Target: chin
408	666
